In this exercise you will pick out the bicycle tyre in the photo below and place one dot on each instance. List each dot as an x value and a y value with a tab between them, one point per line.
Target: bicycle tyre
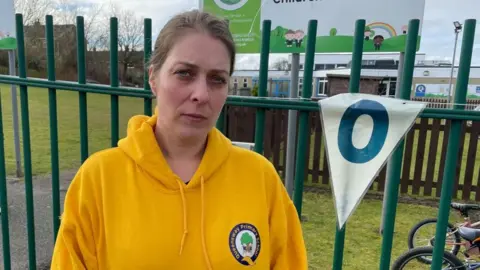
424	222
420	252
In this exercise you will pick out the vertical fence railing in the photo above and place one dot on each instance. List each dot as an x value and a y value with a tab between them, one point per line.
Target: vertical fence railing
397	156
147	51
82	96
304	132
52	107
262	85
114	111
353	87
453	143
27	155
4	199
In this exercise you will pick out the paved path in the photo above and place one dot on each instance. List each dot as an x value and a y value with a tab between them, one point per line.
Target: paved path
43	221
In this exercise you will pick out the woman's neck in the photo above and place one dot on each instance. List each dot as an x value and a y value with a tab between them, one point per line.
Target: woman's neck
175	148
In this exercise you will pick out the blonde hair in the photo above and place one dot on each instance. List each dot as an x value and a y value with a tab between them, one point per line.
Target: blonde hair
186	22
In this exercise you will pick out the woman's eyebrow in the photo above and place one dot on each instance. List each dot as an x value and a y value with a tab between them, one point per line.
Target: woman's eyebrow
193	66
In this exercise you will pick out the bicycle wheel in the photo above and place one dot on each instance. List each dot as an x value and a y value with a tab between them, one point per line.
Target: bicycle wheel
427	238
413	255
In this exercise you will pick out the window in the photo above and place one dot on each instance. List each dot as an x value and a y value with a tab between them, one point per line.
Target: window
235	83
322	86
393	87
245	83
329	66
341	65
387	87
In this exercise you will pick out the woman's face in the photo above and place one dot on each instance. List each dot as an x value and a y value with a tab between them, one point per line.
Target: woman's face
192	85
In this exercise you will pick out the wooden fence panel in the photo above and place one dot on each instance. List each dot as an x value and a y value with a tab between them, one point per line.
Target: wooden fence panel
419	156
407	161
268	134
459	161
432	157
471	156
426	160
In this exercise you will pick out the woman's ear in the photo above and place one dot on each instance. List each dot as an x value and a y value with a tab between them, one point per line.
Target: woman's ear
151	81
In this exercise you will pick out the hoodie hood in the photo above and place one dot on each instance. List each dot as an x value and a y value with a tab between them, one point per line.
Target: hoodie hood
141	145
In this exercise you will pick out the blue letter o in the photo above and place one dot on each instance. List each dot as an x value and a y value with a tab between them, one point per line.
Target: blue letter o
379	115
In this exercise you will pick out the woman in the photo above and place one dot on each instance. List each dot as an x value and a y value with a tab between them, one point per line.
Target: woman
175	193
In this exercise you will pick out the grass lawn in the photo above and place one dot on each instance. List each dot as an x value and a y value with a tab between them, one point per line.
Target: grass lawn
68	126
362	241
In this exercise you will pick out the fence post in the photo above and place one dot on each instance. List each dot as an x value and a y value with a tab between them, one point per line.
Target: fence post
396	161
304	132
453	143
353	87
147	44
27	155
262	85
52	107
114	80
4	199
82	96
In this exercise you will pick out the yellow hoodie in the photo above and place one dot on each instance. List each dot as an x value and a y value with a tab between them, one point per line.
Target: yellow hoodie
125	209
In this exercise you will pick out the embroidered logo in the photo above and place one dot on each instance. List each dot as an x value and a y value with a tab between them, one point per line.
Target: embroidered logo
244	242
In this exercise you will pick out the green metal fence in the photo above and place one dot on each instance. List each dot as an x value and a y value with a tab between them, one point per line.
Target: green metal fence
304	105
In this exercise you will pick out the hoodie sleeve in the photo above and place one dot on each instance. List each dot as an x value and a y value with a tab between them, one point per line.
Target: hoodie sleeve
75	245
287	245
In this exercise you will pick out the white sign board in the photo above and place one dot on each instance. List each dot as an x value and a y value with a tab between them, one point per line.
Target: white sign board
441	90
385	31
7	25
361	131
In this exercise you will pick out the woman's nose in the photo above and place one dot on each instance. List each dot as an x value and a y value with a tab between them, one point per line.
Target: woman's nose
200	90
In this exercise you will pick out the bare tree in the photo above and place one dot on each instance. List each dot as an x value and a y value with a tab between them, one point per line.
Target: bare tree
281	64
130	38
33	10
95	27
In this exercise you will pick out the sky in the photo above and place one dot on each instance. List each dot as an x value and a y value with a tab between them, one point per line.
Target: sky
437	33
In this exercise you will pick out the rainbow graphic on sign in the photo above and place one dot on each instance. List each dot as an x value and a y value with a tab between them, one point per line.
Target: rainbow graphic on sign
383	26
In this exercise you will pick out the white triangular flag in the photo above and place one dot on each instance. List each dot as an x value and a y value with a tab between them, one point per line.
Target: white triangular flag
361	131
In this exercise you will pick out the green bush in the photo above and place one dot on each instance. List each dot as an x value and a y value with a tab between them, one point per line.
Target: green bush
255	90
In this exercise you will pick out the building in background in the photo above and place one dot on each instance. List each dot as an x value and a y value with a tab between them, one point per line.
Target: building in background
378	76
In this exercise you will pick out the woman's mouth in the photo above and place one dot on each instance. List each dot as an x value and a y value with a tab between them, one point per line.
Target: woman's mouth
194	116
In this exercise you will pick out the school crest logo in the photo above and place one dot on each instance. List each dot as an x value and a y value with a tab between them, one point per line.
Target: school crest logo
230	4
244	242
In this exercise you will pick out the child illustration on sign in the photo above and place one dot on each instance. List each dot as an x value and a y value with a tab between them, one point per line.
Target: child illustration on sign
299	35
404	29
2	35
289	38
377	42
368	33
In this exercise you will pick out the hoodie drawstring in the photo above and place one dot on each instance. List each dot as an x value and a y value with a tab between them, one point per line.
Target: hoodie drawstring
184	205
205	253
202	225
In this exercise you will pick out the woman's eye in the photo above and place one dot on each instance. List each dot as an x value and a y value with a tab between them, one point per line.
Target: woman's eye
218	80
183	73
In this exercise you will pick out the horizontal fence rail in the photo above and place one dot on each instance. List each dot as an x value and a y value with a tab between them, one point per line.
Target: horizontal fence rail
268	132
300	104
